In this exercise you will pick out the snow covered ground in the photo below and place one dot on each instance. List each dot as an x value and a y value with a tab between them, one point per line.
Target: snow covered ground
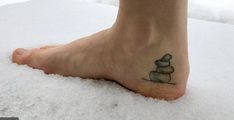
211	10
32	95
7	2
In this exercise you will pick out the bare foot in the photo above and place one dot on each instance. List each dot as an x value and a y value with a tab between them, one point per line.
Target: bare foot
145	50
158	69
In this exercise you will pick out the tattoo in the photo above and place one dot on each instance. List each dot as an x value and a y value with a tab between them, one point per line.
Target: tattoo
163	71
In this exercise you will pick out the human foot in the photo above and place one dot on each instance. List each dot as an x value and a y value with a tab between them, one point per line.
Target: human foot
145	50
158	69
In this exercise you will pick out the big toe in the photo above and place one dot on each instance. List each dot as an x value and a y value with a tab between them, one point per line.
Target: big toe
35	58
21	56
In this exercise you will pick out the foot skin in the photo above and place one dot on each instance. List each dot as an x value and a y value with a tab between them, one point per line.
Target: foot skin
103	55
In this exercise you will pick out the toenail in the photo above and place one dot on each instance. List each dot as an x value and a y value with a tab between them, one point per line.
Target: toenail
21	51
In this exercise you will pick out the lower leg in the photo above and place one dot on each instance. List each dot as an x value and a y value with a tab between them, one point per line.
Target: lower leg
152	20
145	50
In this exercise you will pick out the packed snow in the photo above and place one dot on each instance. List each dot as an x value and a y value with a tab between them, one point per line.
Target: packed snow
32	95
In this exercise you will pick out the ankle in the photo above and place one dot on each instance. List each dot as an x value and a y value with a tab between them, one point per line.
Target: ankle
139	36
143	26
134	34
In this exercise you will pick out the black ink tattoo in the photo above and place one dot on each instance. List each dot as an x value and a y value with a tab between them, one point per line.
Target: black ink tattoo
163	71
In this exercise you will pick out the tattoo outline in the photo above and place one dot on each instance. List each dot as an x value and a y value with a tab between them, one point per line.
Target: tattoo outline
163	71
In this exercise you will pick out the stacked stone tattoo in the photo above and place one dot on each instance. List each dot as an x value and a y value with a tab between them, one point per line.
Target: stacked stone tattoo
163	71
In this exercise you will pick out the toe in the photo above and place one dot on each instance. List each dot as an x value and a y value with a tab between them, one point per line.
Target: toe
35	58
21	56
32	57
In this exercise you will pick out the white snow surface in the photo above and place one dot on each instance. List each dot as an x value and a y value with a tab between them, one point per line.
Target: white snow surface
7	2
32	95
212	10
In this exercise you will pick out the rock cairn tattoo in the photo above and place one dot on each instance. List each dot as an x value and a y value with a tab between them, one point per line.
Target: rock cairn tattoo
163	71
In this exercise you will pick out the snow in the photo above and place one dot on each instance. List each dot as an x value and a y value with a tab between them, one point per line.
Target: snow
30	94
6	2
212	10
